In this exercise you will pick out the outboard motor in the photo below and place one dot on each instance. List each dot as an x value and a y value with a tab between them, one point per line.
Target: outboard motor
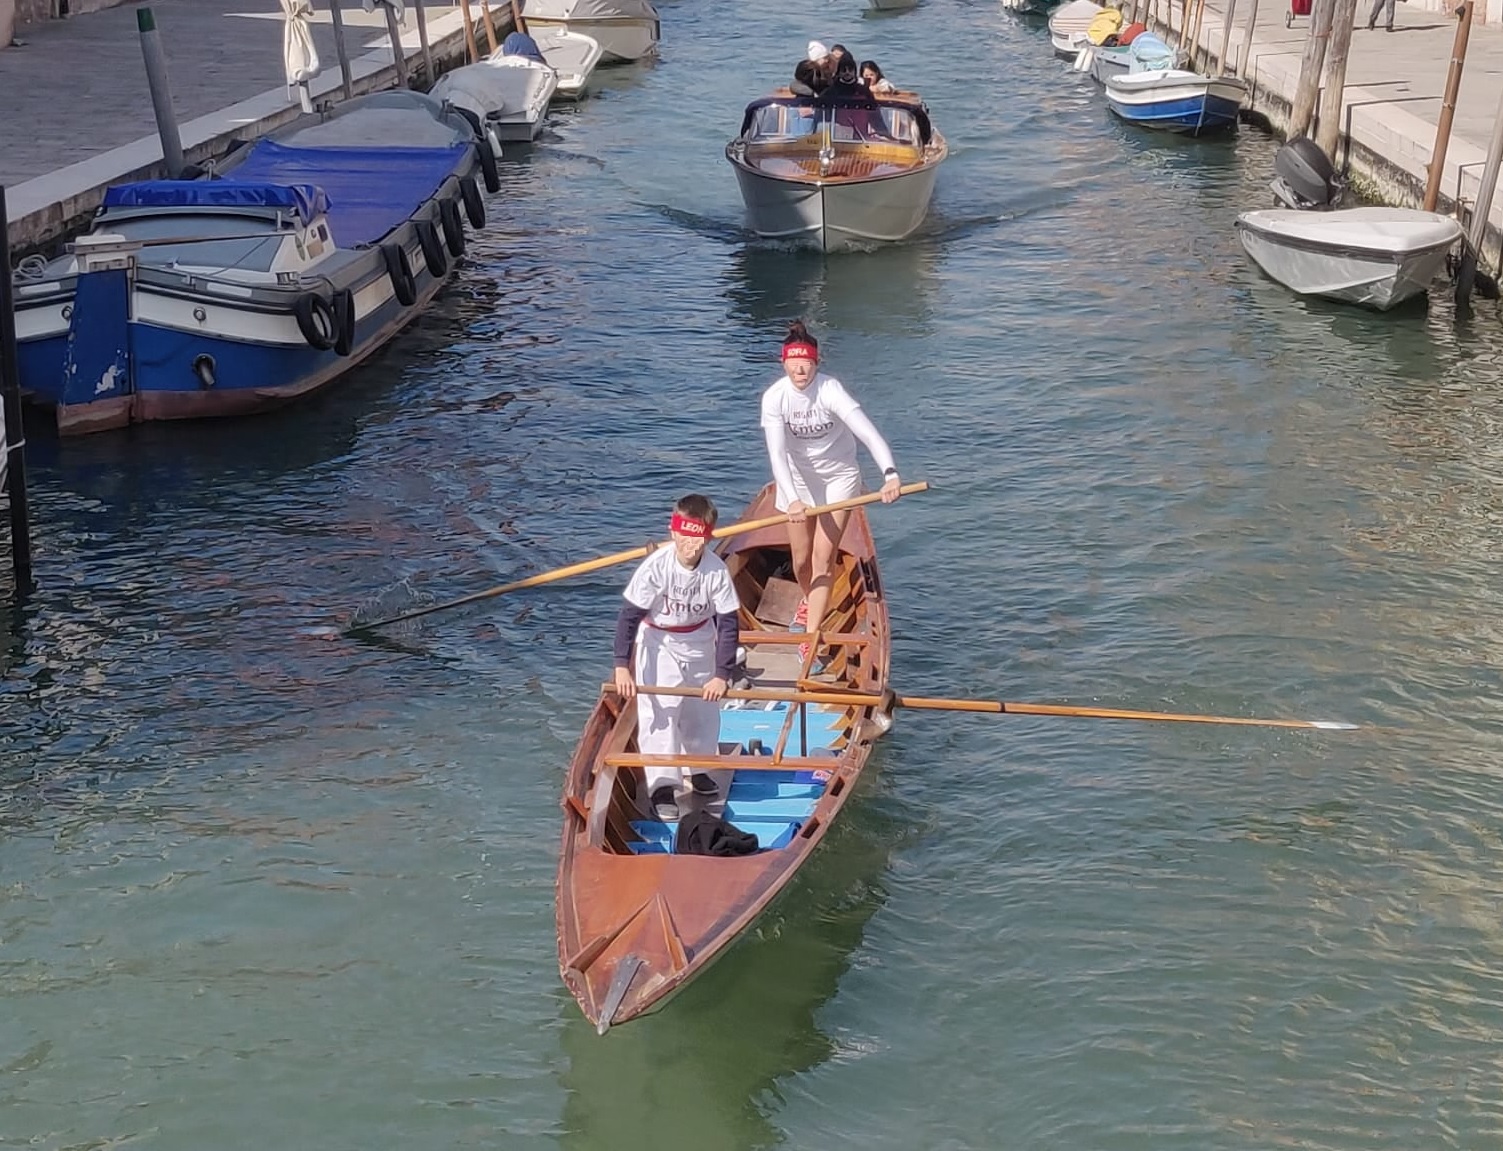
1305	176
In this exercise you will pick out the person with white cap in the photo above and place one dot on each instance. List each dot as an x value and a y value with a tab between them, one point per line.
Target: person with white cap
824	65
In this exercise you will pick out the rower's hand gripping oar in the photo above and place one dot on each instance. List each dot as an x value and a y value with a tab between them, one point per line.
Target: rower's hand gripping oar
637	553
888	701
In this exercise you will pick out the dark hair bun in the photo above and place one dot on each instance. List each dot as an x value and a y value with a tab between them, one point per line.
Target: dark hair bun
797	333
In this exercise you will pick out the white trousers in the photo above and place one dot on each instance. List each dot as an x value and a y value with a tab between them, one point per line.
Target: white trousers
677	725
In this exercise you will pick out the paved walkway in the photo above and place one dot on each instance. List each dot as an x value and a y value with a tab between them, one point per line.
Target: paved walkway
77	109
78	86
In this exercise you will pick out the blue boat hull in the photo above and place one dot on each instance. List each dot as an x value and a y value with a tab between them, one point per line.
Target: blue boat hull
1193	117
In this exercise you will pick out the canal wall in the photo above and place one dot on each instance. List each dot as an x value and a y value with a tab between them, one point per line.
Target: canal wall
49	208
1390	103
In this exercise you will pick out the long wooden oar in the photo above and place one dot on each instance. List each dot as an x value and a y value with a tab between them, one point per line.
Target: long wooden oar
637	553
887	701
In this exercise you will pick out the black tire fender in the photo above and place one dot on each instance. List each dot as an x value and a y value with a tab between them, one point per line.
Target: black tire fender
400	272
448	216
474	206
488	166
433	249
315	319
344	320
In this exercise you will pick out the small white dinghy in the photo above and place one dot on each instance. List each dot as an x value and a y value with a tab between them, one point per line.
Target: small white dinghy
1068	25
1377	257
573	55
509	90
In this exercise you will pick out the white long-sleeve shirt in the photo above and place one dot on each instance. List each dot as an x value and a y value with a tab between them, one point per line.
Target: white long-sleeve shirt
815	429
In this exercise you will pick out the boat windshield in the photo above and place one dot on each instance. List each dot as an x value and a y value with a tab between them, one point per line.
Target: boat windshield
856	122
220	241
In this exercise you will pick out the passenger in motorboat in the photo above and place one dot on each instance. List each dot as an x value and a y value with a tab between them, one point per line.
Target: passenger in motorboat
805	78
812	425
680	615
876	83
824	65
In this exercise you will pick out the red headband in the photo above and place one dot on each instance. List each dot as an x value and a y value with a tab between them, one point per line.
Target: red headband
688	526
799	348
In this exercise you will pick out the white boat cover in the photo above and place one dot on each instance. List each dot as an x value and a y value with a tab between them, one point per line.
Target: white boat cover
1395	231
590	9
497	85
1076	16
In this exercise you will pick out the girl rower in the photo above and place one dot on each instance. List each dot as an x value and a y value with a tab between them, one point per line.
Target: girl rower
812	424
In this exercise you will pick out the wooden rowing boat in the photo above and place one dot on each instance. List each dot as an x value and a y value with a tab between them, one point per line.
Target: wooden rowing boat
636	922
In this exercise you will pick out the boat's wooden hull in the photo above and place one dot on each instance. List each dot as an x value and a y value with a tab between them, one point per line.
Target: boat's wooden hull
633	928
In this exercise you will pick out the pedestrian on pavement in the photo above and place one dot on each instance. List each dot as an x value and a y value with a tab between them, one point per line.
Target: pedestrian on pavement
1378	6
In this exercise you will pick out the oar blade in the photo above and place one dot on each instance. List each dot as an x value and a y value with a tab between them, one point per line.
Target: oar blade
389	607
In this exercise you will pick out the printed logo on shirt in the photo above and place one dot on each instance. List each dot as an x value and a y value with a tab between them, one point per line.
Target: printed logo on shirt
810	423
686	602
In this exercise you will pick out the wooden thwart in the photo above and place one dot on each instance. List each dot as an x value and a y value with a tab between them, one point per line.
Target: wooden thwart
719	762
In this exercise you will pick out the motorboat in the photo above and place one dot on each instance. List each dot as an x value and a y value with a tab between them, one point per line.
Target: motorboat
836	171
1143	53
891	5
508	91
1174	100
1377	257
626	30
1068	25
572	55
304	253
1030	7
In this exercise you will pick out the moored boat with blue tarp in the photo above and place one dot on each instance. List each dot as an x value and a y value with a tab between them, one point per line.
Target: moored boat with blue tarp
297	258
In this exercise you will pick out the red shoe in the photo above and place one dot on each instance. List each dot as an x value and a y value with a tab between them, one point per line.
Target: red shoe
803	654
801	617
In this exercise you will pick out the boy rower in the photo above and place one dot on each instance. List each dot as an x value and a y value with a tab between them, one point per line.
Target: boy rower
680	610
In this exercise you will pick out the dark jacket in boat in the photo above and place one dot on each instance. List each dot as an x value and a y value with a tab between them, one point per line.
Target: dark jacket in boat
700	833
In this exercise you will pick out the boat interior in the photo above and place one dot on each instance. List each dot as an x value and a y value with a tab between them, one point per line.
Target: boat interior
843	141
782	753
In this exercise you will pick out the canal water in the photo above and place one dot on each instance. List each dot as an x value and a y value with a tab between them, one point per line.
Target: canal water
260	888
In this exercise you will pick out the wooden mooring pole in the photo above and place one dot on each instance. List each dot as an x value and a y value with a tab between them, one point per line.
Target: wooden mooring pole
422	23
14	440
1436	169
469	30
1226	37
1247	34
339	47
398	53
490	25
1333	95
1303	110
1480	212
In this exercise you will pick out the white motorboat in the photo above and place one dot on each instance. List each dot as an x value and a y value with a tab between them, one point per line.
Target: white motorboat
1068	25
626	30
573	55
836	172
509	90
1174	100
1377	257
